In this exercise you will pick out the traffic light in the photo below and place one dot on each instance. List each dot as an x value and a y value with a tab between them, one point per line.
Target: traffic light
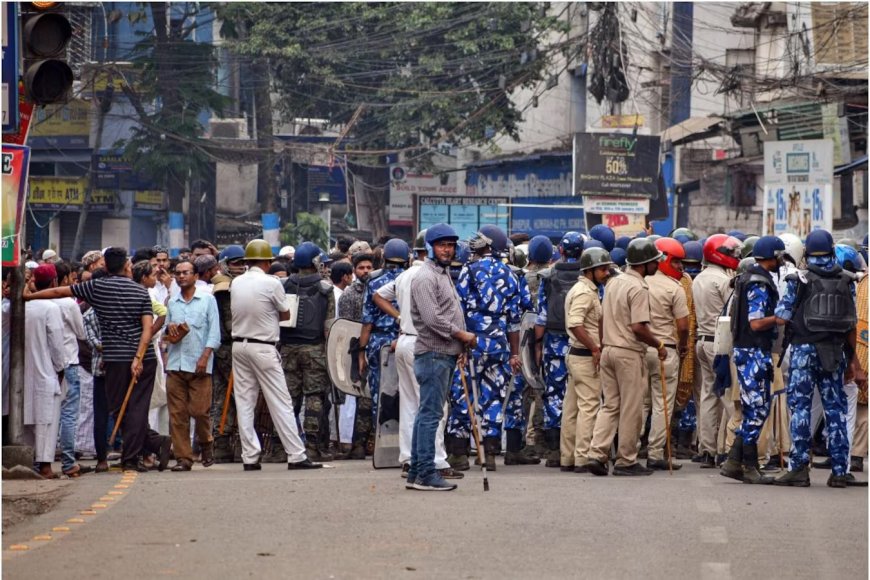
45	33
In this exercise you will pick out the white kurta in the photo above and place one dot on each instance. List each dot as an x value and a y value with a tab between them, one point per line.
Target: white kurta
44	357
74	328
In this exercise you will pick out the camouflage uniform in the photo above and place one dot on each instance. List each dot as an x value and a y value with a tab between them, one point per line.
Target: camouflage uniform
533	278
384	329
224	445
555	369
515	418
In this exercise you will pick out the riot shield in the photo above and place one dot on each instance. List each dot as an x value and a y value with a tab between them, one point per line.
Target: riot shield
342	348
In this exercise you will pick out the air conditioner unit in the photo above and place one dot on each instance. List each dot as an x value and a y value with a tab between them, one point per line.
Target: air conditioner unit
228	128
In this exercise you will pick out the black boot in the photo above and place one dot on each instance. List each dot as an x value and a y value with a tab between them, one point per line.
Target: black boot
514	454
684	445
490	448
733	466
551	436
457	452
223	449
800	477
751	473
857	464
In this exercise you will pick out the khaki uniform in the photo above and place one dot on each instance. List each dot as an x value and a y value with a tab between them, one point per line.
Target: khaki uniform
667	304
623	372
583	393
859	440
686	384
710	290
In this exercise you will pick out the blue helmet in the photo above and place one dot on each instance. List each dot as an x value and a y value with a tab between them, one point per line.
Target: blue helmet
622	242
325	259
819	243
694	252
849	259
572	244
592	243
556	255
395	250
437	233
618	256
637	236
498	239
605	235
737	234
231	253
307	255
540	249
768	248
462	255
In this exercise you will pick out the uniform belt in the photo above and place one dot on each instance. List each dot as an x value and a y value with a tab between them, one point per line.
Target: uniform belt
673	346
580	351
705	338
409	334
253	341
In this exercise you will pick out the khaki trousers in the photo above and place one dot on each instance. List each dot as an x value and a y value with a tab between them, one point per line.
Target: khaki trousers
657	432
710	407
582	400
188	397
859	441
623	383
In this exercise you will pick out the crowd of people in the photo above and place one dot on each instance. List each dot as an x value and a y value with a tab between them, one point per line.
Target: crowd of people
734	352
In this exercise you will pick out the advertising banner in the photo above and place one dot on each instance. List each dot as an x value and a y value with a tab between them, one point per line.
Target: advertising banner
57	193
616	165
405	183
798	186
16	162
465	214
616	205
62	126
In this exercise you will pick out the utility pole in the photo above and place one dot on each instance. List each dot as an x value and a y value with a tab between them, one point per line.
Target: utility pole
19	455
104	104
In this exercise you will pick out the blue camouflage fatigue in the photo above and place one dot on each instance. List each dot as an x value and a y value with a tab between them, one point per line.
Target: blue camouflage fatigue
489	294
458	421
688	420
514	417
385	329
754	370
554	367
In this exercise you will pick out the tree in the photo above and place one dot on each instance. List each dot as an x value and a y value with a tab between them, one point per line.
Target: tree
308	228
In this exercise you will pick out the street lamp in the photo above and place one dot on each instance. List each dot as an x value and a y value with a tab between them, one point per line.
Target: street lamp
323	198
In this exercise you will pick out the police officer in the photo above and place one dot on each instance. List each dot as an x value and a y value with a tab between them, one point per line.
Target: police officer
552	336
754	328
669	323
626	330
226	446
711	289
490	297
303	349
379	328
583	394
694	256
605	235
259	303
821	314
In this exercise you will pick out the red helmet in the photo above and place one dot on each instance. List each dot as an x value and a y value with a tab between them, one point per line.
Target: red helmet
672	249
723	250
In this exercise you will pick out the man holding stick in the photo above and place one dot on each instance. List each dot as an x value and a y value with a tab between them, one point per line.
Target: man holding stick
441	337
124	312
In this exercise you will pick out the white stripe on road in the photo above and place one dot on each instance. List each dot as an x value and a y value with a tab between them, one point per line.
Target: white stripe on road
708	506
714	535
715	571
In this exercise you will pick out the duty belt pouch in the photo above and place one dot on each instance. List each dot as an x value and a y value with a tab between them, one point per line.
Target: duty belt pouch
723	339
830	355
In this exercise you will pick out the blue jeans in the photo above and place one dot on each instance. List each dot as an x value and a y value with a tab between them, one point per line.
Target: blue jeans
69	417
434	372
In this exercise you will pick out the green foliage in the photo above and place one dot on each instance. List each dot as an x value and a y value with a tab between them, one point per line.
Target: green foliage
424	71
308	228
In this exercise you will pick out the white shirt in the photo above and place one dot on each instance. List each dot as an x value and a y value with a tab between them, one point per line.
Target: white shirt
400	291
257	299
204	286
336	293
160	293
44	357
73	329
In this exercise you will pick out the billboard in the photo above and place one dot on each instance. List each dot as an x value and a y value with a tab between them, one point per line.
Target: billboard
15	162
616	165
465	214
798	186
406	182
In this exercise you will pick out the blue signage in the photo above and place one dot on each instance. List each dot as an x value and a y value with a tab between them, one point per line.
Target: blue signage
322	179
9	105
547	216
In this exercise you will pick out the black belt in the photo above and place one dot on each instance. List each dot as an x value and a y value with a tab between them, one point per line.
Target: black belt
253	340
706	338
580	351
673	346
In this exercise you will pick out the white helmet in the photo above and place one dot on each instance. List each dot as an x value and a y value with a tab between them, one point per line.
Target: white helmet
287	252
793	247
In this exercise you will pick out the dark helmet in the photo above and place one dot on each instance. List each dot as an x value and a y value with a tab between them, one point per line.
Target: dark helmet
395	250
723	250
440	232
521	257
623	242
819	243
572	244
737	234
642	251
654	237
231	253
768	248
748	245
594	257
540	249
420	241
849	259
592	243
307	255
618	256
498	239
694	252
603	234
744	265
463	253
258	250
683	235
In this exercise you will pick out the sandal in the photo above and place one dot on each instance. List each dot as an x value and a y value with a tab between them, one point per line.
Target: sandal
77	471
101	468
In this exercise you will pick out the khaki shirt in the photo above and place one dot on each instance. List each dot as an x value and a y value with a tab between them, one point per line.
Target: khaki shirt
582	308
711	290
626	302
667	303
257	299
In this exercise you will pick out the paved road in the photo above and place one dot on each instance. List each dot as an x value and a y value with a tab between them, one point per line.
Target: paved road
354	522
